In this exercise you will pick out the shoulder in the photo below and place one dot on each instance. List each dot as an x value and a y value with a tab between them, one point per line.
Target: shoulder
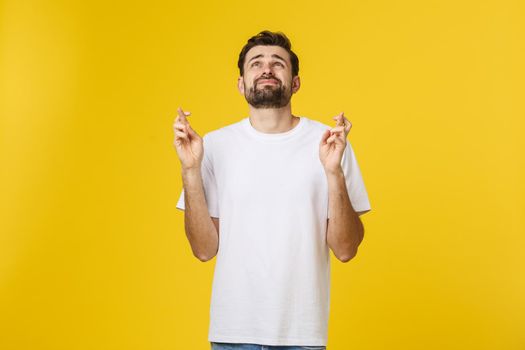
223	132
316	127
316	124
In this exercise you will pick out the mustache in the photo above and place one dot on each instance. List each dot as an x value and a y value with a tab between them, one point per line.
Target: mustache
267	78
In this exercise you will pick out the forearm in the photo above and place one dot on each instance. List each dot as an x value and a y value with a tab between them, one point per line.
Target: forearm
200	230
345	229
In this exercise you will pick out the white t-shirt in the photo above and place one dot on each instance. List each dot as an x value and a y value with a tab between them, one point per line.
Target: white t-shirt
271	284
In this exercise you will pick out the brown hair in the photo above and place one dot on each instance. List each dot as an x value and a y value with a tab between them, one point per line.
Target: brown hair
268	38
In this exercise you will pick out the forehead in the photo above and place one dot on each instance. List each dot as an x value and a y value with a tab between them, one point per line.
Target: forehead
267	52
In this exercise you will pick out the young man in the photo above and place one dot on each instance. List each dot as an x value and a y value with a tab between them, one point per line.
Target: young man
285	190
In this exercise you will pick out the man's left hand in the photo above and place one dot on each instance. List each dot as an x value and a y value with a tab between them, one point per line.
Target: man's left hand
333	144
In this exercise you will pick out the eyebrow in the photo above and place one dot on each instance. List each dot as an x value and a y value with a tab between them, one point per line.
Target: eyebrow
261	55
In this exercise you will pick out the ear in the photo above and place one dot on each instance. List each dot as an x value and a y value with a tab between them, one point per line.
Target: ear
240	85
296	84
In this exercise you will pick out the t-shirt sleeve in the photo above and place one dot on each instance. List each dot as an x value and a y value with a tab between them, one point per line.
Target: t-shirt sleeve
354	181
208	180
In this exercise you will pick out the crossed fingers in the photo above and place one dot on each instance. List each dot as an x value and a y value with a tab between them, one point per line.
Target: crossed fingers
181	124
181	117
342	124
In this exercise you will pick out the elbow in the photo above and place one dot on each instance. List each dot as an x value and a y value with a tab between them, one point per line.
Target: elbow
205	248
344	254
347	250
349	253
347	257
203	257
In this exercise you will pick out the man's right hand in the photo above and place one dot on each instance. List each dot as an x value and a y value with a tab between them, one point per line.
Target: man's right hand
187	142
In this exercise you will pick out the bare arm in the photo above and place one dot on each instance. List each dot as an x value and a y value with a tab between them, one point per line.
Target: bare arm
345	230
216	223
201	230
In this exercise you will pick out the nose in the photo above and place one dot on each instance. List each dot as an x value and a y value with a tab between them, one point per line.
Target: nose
267	69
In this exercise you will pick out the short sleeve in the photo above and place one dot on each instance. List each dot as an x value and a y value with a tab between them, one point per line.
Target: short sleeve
208	180
354	181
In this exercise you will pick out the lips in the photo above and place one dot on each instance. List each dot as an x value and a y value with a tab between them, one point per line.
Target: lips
268	81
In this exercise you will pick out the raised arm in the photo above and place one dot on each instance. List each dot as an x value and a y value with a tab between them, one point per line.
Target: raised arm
201	230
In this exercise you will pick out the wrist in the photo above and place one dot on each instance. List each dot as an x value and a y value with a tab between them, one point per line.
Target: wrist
191	171
337	172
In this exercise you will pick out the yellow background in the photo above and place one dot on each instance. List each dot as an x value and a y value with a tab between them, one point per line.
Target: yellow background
93	253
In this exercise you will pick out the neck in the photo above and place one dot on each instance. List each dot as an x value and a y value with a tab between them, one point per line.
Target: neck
273	120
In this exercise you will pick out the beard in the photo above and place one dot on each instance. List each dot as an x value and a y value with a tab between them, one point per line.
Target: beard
268	96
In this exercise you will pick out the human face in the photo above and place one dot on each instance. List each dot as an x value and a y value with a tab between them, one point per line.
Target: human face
267	81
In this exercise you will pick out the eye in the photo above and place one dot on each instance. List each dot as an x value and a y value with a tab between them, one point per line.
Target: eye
279	63
255	63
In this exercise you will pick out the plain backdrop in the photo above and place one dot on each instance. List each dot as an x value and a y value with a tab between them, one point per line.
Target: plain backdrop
93	253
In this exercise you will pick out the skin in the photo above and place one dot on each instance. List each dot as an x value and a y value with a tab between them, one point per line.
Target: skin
344	228
269	120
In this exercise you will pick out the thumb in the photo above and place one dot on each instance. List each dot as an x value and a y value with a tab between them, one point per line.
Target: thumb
191	131
326	134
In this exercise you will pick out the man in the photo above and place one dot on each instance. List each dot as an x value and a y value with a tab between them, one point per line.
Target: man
285	190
